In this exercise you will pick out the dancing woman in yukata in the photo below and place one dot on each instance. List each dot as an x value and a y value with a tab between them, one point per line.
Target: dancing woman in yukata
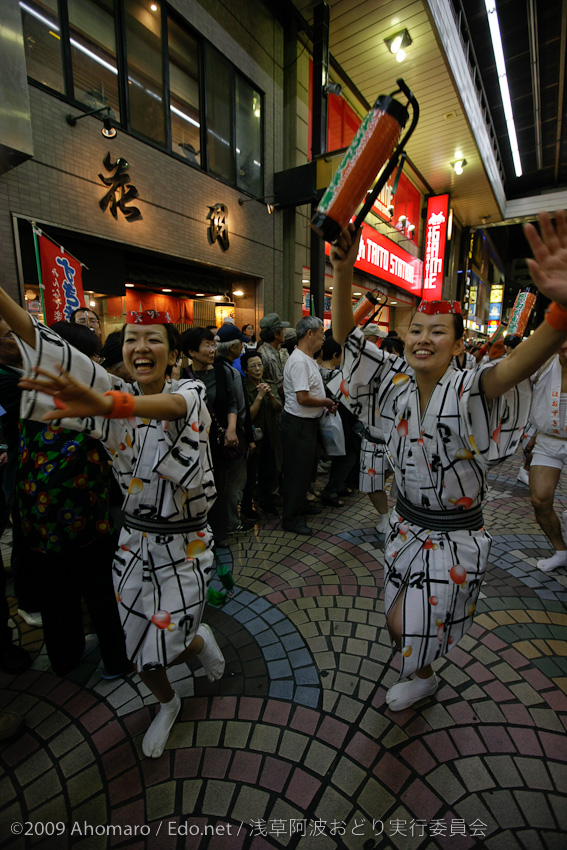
444	429
164	561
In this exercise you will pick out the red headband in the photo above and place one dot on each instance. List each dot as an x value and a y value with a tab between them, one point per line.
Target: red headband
147	317
433	308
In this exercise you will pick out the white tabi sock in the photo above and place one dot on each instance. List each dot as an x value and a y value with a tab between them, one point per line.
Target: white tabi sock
210	656
383	526
404	694
156	737
558	559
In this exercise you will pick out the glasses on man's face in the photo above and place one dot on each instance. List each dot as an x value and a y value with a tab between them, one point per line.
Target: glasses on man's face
211	347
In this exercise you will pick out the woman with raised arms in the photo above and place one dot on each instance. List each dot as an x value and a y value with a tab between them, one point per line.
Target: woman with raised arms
444	429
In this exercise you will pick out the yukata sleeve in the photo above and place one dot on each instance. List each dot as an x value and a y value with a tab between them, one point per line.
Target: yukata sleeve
51	353
366	377
188	461
494	428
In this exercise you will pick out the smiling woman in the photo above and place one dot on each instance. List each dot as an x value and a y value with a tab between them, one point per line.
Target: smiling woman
442	436
160	588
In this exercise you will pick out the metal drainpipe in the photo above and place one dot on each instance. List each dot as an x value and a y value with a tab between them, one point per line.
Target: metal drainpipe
321	19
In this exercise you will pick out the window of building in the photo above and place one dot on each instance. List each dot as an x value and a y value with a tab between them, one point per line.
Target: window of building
93	54
184	85
42	42
220	97
144	57
248	128
177	91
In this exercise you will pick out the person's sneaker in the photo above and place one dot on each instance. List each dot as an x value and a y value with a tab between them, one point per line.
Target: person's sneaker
11	724
558	559
242	528
14	660
91	643
524	476
126	670
32	618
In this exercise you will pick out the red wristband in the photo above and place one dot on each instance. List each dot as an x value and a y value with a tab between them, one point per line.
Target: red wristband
122	405
556	316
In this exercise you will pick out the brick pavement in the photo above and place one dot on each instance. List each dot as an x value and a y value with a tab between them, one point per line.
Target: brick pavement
295	746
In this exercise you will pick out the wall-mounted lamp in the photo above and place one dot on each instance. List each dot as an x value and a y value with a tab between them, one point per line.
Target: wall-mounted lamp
397	42
391	210
238	292
108	131
269	206
458	165
333	88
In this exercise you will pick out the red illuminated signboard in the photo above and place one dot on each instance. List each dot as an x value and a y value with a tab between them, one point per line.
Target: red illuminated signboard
435	238
382	258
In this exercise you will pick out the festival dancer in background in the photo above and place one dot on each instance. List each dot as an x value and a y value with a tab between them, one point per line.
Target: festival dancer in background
164	561
444	429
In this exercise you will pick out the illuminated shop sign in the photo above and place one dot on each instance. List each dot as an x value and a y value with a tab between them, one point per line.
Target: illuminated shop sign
496	294
435	239
382	258
495	311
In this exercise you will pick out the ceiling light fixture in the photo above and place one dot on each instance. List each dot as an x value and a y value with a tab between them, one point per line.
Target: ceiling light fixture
458	165
397	42
503	80
129	285
108	131
166	290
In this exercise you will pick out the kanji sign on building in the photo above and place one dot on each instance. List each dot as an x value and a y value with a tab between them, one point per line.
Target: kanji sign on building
435	239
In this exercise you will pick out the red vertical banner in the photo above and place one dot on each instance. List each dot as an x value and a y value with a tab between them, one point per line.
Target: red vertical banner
435	239
62	282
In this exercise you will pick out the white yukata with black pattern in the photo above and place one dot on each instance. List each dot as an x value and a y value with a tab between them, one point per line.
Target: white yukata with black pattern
440	459
165	561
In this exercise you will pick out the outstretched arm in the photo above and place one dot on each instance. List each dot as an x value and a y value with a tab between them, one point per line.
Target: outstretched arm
73	399
17	318
344	252
548	270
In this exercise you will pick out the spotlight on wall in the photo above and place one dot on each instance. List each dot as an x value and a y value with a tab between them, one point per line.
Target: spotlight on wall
270	207
333	88
238	292
108	131
397	42
458	165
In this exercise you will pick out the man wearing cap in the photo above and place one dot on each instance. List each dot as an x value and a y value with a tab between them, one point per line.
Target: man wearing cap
229	349
272	335
373	333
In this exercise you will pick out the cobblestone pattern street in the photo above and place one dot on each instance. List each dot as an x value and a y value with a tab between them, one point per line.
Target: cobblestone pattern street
295	746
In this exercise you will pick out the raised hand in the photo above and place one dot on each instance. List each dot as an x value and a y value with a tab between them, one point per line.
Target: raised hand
548	269
71	397
344	249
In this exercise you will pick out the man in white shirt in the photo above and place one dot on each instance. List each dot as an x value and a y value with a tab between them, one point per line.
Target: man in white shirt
305	403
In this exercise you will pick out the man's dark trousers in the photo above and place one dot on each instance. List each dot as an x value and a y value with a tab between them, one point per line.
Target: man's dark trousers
299	446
